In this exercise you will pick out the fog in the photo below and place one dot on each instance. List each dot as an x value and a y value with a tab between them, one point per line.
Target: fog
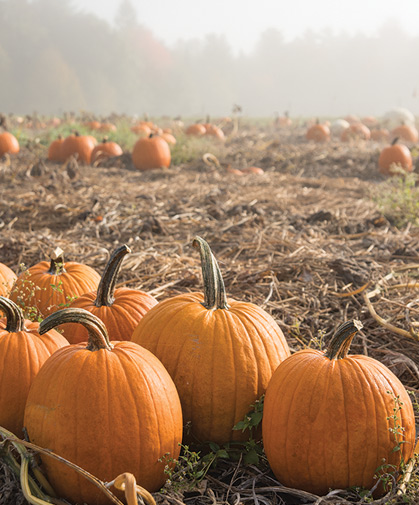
54	59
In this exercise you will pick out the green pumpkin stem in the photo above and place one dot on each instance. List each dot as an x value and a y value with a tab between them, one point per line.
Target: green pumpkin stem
98	334
214	290
14	316
57	262
106	288
338	347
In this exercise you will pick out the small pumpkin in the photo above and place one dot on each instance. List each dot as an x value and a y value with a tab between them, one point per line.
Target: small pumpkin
55	150
121	309
105	149
93	125
214	131
318	133
50	285
8	144
7	279
109	407
196	129
221	353
107	127
82	145
406	132
328	418
380	134
395	155
22	353
169	138
151	152
356	131
141	129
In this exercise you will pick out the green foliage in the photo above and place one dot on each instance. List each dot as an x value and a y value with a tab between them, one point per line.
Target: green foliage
189	148
398	200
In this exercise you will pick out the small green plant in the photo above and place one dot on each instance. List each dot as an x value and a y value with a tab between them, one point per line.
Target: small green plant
398	199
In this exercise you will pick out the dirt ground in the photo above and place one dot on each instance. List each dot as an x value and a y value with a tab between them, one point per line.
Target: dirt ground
306	241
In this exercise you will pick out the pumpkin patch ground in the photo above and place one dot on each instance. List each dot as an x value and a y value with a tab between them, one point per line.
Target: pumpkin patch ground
317	237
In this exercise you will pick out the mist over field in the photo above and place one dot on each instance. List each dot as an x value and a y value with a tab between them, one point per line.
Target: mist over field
53	58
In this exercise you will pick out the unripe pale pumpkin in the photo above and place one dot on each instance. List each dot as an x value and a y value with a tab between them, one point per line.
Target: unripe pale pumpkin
220	353
328	418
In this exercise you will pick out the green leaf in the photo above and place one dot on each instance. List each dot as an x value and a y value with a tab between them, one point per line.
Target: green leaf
251	458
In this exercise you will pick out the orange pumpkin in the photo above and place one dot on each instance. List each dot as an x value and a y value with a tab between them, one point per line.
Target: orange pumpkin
253	170
55	150
395	155
141	129
169	138
93	125
380	134
151	152
107	407
196	129
405	132
356	131
105	149
82	145
220	353
328	418
7	279
107	127
214	131
50	285
120	309
318	132
8	143
22	353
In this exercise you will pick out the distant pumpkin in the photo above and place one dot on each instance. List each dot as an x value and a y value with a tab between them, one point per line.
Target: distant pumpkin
395	154
318	132
408	133
8	143
356	131
196	129
151	152
105	149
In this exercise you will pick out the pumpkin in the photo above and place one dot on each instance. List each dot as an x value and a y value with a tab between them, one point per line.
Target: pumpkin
369	121
395	154
93	125
82	145
107	407
328	418
107	127
356	131
141	129
406	132
120	309
338	126
380	134
7	279
318	132
8	143
214	131
55	150
50	285
22	353
169	138
397	116
196	129
151	152
253	170
105	149
220	353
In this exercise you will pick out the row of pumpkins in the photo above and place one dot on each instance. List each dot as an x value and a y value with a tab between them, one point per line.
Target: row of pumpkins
114	388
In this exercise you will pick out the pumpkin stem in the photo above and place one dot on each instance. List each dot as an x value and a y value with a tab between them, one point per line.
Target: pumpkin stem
14	316
98	335
57	262
106	288
339	345
395	140
214	289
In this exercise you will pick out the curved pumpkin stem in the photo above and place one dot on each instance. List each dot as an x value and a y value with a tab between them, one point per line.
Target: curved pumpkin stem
98	334
395	140
57	262
14	316
339	345
214	289
106	288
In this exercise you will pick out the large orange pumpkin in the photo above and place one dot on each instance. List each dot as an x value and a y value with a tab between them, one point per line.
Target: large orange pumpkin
50	285
220	353
107	407
151	152
395	155
22	353
120	309
7	279
328	418
8	143
82	145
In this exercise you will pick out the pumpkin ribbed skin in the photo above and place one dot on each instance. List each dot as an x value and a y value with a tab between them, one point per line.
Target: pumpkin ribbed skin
109	409
151	152
325	422
221	359
54	287
82	145
120	309
7	279
22	353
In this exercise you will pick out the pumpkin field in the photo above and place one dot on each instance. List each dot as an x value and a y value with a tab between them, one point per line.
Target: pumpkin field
242	323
